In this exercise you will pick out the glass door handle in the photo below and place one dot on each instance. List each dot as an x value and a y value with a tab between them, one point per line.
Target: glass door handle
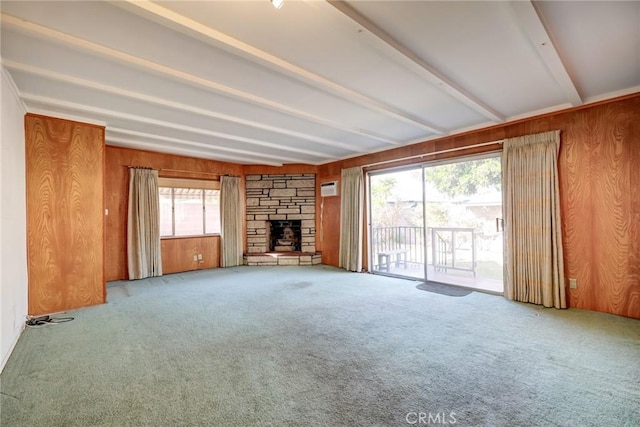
499	225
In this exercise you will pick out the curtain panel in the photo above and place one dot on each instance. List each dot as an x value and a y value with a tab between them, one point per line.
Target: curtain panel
230	221
143	225
351	219
533	233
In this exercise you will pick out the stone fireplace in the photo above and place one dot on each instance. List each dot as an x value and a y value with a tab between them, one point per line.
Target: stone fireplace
281	220
284	235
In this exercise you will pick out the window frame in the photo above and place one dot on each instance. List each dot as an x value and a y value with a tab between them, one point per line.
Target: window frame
188	183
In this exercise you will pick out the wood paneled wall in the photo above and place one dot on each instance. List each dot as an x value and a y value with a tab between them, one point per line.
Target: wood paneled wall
278	170
328	217
600	186
599	168
178	254
117	196
65	214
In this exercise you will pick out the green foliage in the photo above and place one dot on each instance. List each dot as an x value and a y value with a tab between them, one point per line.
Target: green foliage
465	178
388	208
382	190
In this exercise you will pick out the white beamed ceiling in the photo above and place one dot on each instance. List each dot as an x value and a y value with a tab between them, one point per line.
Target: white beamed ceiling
314	81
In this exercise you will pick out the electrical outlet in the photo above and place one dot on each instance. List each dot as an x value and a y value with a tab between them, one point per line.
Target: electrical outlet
573	283
195	257
199	257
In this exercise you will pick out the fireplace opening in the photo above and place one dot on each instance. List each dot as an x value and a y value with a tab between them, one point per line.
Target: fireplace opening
284	235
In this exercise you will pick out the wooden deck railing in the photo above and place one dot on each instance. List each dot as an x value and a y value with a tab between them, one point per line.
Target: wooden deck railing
447	247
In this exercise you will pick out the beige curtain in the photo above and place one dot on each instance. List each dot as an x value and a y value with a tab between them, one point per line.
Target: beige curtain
143	226
351	219
231	221
533	235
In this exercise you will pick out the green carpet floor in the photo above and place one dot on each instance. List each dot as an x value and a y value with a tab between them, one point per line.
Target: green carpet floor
317	346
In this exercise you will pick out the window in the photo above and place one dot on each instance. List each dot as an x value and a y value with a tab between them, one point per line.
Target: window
189	207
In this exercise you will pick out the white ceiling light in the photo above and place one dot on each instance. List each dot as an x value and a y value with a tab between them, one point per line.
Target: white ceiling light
277	3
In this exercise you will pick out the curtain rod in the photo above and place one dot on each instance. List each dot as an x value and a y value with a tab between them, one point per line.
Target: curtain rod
199	173
448	150
179	171
186	171
137	167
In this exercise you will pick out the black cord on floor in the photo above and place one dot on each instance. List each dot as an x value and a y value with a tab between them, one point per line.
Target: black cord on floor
46	320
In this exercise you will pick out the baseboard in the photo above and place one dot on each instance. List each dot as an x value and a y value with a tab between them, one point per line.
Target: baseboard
13	346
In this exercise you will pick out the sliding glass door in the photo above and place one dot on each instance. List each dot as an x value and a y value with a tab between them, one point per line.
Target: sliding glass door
463	215
396	232
439	222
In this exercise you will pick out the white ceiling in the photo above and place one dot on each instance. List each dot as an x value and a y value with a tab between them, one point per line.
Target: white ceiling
314	81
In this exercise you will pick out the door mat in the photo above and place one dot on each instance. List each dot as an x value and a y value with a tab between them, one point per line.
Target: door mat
442	289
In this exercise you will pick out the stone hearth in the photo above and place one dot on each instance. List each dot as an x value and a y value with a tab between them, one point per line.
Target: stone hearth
283	258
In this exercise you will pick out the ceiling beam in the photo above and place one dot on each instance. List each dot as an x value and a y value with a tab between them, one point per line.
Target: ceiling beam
161	123
66	116
614	94
530	22
407	58
254	54
130	143
128	132
77	81
127	143
12	85
181	76
210	150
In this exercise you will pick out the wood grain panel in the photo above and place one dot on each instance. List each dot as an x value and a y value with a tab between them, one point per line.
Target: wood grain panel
177	254
209	247
599	185
65	216
632	303
328	219
576	208
600	208
117	193
278	170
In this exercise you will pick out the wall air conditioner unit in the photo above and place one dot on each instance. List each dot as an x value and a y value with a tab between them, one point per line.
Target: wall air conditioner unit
329	189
